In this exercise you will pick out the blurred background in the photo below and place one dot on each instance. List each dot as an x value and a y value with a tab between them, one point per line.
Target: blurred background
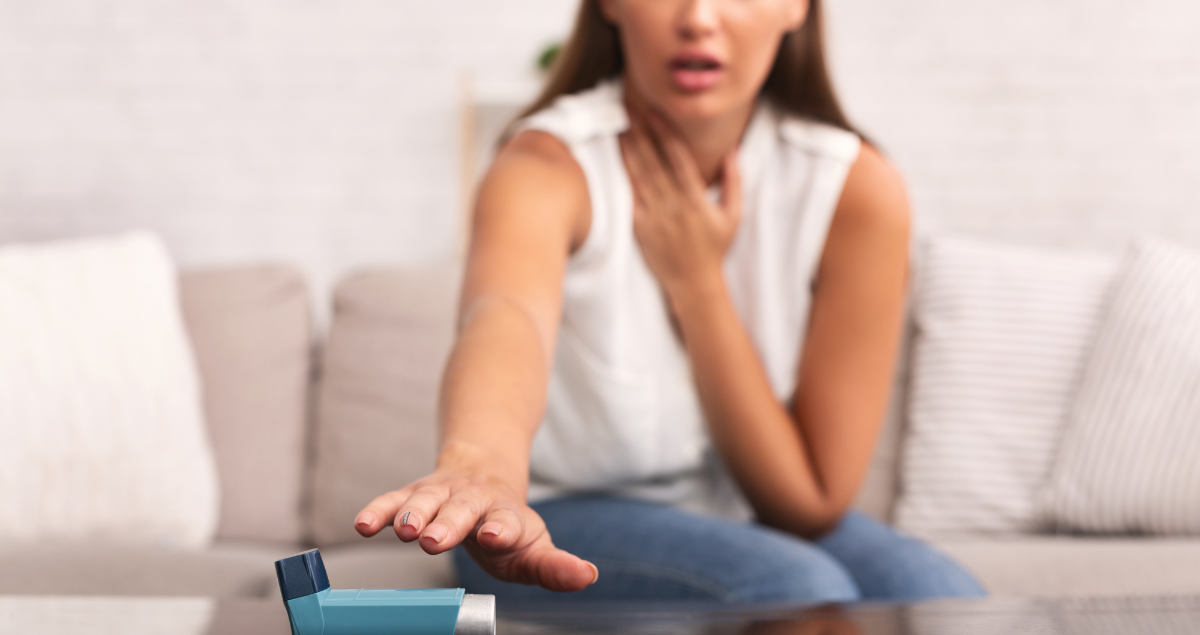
327	138
333	135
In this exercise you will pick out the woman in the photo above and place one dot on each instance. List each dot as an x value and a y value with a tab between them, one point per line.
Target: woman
677	329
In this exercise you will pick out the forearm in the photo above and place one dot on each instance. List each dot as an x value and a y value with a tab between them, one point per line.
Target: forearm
493	394
766	450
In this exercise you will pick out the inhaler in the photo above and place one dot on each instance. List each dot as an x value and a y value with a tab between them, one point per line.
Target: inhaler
315	609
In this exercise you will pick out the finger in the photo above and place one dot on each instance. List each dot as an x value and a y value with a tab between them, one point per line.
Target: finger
456	519
558	570
379	512
681	164
418	510
731	186
500	529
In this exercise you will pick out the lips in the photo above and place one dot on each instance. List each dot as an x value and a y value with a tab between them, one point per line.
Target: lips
695	71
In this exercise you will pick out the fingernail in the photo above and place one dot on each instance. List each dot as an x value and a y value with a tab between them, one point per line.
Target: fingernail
437	533
365	519
491	529
404	520
595	573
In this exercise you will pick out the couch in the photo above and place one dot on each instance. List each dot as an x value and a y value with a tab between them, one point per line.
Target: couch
306	428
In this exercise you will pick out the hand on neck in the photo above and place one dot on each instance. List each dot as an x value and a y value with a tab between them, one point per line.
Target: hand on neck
709	139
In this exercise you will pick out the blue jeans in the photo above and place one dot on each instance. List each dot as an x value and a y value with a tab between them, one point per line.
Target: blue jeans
650	551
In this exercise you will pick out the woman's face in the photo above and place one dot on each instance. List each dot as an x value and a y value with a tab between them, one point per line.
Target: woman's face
700	59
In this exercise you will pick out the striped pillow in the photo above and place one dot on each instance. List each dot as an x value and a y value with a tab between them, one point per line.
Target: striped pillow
1130	455
1001	335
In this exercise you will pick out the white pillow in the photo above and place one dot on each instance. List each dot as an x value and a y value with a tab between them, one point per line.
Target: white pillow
103	438
1130	455
1000	337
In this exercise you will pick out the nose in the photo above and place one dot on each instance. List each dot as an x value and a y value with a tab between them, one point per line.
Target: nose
697	18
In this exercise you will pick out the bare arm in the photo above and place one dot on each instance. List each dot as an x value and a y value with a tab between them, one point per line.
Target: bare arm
532	211
801	469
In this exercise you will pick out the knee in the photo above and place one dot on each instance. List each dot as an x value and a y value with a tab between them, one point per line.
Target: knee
913	570
796	574
886	564
919	572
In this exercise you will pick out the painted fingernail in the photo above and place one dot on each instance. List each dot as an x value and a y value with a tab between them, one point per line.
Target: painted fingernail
404	520
436	533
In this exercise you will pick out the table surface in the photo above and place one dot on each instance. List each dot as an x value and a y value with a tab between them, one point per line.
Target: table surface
135	615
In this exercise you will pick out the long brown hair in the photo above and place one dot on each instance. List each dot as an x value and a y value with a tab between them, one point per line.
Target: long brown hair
799	80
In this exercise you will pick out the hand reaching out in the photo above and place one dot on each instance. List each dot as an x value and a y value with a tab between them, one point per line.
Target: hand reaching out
501	533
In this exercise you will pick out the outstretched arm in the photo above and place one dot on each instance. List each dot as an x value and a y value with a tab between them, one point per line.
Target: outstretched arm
532	211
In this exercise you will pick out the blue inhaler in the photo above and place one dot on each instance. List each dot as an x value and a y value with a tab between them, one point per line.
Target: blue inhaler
315	609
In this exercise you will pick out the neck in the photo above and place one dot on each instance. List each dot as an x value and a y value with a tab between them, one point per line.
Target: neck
709	139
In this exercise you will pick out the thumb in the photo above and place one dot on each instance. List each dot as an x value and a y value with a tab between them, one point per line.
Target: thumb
559	570
731	187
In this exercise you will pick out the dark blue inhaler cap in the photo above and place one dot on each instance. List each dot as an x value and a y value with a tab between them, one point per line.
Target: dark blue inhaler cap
302	574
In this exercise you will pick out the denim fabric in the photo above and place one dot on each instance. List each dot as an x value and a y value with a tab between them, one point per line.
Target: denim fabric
649	551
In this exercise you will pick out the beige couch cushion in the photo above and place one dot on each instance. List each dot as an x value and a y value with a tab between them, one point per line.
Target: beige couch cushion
377	404
1050	566
225	570
383	562
251	333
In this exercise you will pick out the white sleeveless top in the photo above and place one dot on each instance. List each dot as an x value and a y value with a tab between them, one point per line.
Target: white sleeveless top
622	413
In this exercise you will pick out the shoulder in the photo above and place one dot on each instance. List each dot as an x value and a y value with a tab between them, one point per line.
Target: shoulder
871	222
535	149
874	196
587	114
542	147
817	138
537	160
535	177
536	173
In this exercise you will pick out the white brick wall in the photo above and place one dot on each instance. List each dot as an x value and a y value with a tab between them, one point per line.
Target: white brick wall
325	133
1066	121
321	133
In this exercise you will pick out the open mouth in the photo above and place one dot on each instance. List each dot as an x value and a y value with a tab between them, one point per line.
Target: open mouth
695	65
695	72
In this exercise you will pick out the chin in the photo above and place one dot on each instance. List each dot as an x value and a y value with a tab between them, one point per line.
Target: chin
698	106
679	105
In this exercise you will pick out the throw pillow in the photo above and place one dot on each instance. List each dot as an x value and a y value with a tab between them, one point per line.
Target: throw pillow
104	440
1128	459
376	416
1000	337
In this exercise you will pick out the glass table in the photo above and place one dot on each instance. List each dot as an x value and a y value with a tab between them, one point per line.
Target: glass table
136	615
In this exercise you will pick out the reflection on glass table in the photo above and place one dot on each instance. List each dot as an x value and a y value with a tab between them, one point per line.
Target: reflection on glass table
195	616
